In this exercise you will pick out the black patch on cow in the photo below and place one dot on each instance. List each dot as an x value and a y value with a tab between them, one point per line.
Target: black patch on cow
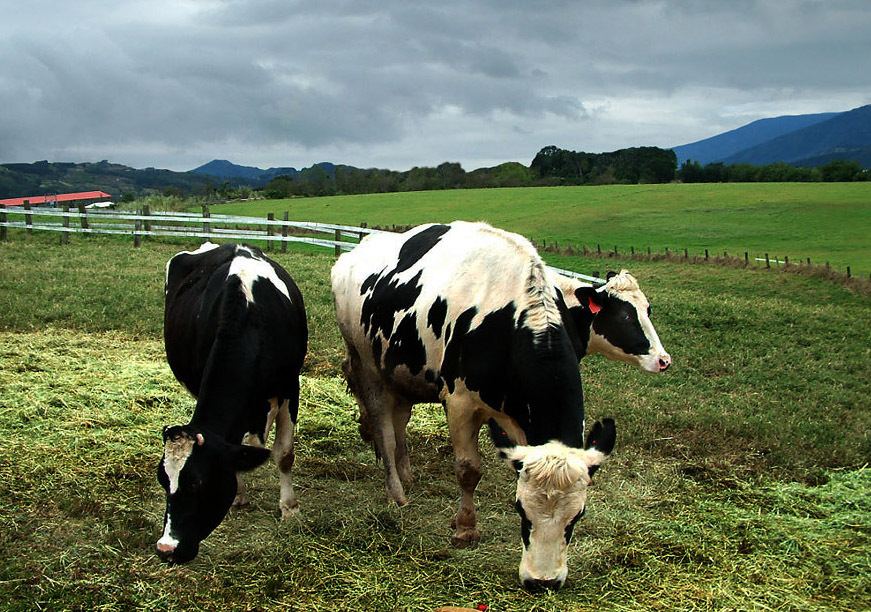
435	318
406	347
525	524
417	246
500	437
618	323
387	299
570	528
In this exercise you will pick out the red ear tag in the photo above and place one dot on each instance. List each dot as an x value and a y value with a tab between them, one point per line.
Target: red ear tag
594	307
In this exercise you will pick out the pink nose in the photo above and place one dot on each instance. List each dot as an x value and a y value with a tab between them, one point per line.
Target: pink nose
165	548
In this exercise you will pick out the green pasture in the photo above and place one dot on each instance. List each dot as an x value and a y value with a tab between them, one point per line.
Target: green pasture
826	222
740	480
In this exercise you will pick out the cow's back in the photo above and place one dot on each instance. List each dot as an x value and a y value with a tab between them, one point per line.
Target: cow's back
401	299
206	301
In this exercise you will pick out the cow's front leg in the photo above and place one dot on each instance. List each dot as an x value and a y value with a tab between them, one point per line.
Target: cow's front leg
283	454
464	424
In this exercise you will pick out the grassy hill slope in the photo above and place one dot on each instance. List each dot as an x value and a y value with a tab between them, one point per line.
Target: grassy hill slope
823	221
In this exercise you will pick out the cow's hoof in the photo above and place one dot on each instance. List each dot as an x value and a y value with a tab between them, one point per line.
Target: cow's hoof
468	538
241	502
288	510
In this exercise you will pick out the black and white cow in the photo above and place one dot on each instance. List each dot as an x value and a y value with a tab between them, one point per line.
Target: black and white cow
236	335
470	316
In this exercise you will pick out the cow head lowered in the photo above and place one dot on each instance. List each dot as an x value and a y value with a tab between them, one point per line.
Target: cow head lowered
614	319
198	473
552	481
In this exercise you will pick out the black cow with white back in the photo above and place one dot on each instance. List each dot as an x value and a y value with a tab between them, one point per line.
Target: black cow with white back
236	335
468	315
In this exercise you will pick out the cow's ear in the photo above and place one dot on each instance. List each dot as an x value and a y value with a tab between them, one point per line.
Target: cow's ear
515	456
591	299
244	457
500	437
602	436
611	274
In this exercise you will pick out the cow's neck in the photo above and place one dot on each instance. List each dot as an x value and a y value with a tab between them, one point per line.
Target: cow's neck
547	399
578	322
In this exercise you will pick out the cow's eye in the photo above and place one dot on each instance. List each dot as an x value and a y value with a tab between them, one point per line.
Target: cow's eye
648	311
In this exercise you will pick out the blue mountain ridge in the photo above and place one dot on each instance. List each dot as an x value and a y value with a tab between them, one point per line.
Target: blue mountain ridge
808	140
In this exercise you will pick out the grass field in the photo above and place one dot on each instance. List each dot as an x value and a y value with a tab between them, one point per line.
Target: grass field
822	221
740	480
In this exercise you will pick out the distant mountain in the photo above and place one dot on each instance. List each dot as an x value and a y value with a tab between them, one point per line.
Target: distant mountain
835	138
256	177
42	178
717	148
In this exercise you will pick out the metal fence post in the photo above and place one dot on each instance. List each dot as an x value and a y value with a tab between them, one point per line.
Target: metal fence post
269	230
2	224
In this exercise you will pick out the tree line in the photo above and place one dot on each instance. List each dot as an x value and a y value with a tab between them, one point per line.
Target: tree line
553	166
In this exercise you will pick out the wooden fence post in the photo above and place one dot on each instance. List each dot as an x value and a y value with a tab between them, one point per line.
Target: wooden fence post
83	219
3	221
269	230
706	254
338	235
137	228
746	258
28	219
767	261
848	271
207	227
65	236
284	232
146	212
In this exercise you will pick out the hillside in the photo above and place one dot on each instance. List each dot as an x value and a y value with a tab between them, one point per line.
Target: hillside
802	140
19	180
253	176
718	147
835	138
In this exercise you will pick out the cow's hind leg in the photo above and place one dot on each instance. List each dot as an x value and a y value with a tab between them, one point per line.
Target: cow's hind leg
465	424
401	415
283	454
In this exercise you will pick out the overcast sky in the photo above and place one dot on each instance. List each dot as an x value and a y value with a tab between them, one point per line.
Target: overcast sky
398	83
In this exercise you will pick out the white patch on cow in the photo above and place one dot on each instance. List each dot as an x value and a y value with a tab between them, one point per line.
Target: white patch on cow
542	312
250	269
204	248
552	489
166	541
175	455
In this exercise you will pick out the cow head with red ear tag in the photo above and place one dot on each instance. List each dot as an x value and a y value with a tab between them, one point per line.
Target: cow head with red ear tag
198	472
613	319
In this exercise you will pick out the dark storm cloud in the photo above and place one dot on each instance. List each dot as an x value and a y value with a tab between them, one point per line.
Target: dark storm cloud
396	84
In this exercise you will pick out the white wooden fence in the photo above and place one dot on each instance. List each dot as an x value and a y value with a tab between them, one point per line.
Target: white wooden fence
205	226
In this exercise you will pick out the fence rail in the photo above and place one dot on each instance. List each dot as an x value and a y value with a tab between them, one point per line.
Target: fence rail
206	226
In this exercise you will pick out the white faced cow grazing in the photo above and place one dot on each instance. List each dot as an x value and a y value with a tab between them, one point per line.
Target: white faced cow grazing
236	336
469	315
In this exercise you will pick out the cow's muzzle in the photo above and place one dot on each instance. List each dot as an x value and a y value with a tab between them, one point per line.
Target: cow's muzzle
537	586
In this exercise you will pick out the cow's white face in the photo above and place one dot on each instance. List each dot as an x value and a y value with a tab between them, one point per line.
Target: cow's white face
552	481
